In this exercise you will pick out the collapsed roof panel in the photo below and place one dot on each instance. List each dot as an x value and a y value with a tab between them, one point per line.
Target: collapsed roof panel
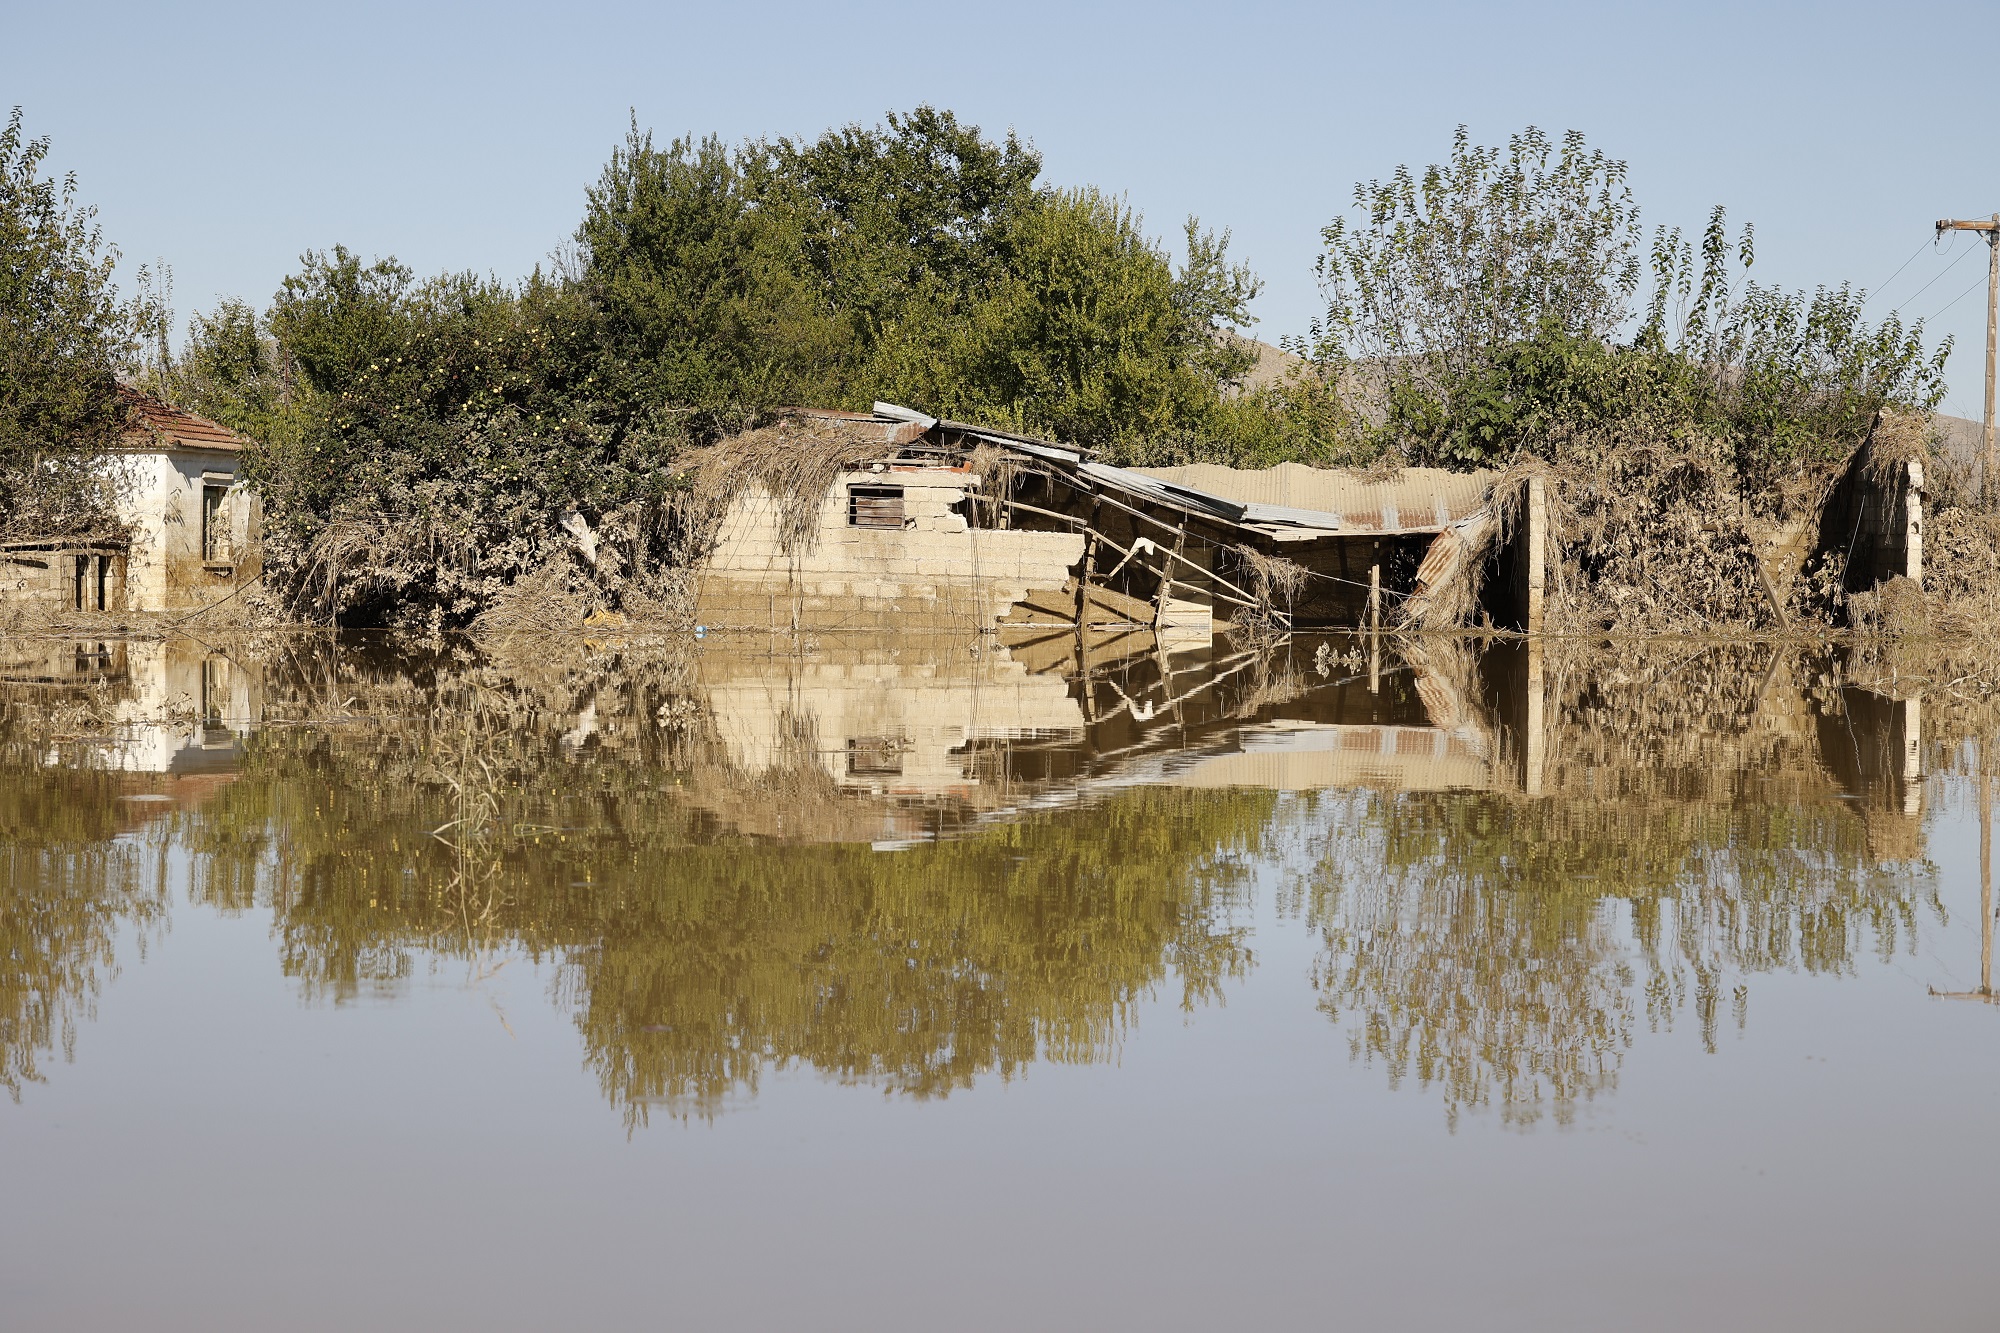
1289	502
1415	500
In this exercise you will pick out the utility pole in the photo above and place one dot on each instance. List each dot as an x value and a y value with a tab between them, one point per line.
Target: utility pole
1990	466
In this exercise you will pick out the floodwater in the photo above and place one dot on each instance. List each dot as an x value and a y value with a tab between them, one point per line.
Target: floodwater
938	986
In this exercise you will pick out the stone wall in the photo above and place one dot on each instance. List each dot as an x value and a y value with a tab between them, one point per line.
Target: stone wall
934	572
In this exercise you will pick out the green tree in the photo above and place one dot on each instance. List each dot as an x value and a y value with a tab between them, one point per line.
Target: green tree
1090	336
422	440
698	292
919	210
1487	305
64	334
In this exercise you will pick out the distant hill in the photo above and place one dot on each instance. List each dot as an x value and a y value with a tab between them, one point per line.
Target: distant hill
1273	363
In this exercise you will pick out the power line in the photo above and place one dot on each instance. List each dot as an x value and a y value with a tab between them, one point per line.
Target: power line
1879	287
1940	273
1954	300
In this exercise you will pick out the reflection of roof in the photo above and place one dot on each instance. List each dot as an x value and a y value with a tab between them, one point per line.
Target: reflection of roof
1305	757
147	797
158	425
1417	499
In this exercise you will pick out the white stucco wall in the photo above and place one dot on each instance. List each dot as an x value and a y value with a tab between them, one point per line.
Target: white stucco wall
160	498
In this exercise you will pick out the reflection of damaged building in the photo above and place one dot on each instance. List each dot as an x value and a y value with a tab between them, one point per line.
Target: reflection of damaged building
190	528
942	524
171	706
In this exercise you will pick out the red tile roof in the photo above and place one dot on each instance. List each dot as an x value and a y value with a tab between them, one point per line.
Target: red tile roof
156	425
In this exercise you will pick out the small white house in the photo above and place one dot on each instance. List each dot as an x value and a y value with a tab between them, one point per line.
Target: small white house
193	528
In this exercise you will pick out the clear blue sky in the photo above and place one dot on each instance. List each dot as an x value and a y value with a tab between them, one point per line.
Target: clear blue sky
226	139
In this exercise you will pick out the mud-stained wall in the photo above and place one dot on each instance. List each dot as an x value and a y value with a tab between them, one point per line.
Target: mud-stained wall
168	569
60	576
1873	523
934	571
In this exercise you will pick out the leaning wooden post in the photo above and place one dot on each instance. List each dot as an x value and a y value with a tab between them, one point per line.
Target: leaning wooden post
1375	596
1167	581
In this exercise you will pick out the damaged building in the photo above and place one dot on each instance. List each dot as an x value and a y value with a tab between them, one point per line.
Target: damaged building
940	524
188	528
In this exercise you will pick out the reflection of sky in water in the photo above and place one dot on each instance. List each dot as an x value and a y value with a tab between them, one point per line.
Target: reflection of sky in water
1180	1022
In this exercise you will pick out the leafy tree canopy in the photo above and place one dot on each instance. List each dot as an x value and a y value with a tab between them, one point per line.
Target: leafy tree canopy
64	334
1488	305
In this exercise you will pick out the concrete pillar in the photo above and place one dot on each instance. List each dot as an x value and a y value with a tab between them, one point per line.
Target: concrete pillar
1913	522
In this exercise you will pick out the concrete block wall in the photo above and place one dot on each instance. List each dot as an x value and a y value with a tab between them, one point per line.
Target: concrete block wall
936	571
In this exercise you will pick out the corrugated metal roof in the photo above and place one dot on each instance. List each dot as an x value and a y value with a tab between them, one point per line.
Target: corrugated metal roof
1289	502
1417	499
157	425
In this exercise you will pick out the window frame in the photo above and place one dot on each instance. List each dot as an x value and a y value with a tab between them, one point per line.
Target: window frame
867	507
217	541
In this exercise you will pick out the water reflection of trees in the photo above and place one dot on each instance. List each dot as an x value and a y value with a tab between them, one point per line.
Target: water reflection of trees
709	918
695	958
69	886
1504	951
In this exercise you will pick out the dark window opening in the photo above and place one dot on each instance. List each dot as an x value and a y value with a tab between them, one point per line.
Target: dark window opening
215	524
82	576
103	578
875	507
880	756
980	512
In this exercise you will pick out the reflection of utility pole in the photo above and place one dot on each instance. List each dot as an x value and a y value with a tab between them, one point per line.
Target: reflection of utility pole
1985	991
1990	463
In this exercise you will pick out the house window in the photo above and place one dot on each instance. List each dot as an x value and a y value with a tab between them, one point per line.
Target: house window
874	756
875	507
215	523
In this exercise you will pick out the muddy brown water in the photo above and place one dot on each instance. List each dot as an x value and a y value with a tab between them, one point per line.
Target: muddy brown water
940	986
